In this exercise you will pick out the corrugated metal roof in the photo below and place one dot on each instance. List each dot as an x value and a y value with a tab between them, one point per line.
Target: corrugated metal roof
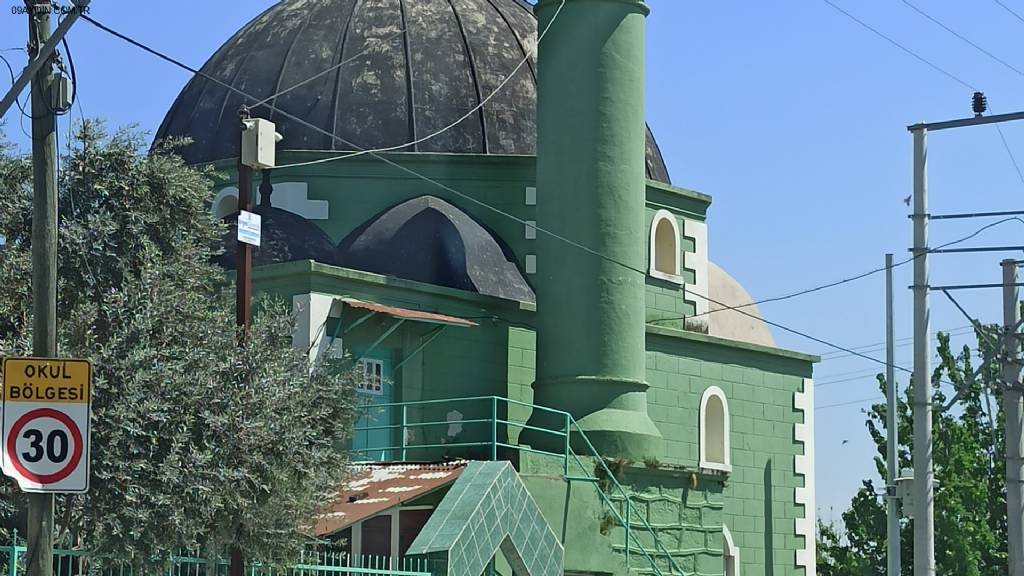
375	488
408	314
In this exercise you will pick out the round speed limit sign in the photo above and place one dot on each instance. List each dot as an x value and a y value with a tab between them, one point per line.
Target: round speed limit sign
45	440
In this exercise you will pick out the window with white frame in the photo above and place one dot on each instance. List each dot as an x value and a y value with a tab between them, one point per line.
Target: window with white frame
714	430
666	258
372	381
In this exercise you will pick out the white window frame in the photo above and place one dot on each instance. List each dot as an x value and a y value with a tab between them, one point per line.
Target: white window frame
659	217
733	556
726	466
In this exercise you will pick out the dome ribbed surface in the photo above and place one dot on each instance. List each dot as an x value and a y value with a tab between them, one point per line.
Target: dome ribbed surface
408	69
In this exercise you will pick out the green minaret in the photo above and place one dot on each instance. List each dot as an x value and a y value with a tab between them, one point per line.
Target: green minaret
590	189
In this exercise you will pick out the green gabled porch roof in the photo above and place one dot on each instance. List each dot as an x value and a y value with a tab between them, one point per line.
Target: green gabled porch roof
487	509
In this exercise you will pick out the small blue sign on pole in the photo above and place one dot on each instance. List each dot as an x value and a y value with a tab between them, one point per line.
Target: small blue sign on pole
249	228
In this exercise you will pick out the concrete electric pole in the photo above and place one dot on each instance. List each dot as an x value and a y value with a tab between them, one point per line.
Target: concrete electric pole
44	261
924	480
924	520
892	428
1014	414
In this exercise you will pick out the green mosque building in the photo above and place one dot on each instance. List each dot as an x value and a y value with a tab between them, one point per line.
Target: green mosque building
557	379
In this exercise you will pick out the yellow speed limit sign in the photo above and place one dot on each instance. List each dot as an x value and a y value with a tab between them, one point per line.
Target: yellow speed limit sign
45	438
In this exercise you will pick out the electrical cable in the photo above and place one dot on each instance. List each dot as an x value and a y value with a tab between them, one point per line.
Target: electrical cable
958	331
1010	10
917	56
850	403
328	70
852	278
463	118
974	45
469	198
933	66
997	59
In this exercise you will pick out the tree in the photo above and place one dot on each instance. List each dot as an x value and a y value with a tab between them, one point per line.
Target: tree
970	499
198	443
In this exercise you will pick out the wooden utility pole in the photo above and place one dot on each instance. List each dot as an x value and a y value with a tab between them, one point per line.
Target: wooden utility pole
44	261
243	264
243	292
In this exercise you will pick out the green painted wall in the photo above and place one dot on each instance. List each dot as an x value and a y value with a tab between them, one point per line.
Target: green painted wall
590	187
759	385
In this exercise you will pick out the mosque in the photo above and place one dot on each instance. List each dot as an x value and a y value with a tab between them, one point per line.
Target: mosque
557	379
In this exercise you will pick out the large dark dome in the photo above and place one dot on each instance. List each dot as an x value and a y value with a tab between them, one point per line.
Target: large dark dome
411	67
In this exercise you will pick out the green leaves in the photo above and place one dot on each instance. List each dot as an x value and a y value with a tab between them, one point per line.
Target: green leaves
197	442
970	500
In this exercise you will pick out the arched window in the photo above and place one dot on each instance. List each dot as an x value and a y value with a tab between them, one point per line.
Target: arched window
714	430
225	203
730	554
665	254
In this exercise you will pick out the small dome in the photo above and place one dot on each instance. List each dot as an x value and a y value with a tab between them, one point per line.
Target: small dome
428	240
285	237
404	69
730	323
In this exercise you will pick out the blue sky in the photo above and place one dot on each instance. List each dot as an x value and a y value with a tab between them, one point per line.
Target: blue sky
790	115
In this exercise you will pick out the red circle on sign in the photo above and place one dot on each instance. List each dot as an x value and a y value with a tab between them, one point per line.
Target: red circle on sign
76	437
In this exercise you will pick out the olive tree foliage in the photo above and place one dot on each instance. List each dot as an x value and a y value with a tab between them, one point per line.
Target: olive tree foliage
968	458
198	443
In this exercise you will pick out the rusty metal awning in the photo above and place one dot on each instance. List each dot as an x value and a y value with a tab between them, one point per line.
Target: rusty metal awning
407	314
375	488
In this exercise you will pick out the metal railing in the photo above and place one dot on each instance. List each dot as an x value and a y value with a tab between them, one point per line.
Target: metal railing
311	563
492	442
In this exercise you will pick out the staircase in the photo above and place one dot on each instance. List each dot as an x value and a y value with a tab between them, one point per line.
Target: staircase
640	543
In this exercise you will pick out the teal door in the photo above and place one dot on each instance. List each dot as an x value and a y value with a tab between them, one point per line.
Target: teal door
375	389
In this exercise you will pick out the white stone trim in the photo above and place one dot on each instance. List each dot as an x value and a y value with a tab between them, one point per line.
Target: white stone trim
289	196
728	545
294	197
698	262
531	230
659	217
531	195
716	392
311	313
225	203
531	263
803	465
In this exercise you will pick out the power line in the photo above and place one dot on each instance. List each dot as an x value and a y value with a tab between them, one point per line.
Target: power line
850	403
1006	145
852	278
958	331
974	45
471	112
888	39
474	200
936	67
329	70
1010	10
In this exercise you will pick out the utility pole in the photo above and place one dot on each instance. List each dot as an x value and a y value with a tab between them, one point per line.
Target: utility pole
243	291
44	261
923	482
892	427
243	264
924	520
1014	420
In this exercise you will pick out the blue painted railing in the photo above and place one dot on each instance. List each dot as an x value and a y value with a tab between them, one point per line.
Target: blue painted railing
488	410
